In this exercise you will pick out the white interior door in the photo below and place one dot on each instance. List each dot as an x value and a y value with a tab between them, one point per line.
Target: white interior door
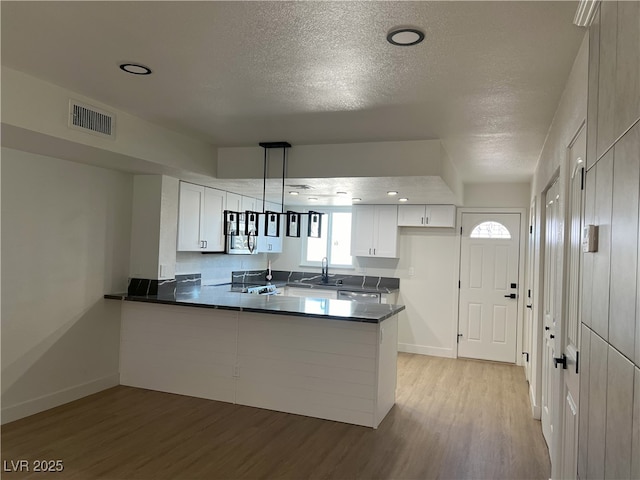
489	260
571	334
552	306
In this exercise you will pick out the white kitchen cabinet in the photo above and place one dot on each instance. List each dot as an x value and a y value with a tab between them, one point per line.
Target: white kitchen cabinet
427	216
310	292
200	219
374	231
252	204
234	202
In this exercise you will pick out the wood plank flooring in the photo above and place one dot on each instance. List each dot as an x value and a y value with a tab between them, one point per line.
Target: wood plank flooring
453	419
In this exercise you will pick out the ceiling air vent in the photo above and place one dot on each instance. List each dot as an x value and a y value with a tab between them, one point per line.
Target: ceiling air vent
91	119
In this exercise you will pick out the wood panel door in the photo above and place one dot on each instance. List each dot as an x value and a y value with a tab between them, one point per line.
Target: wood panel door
489	262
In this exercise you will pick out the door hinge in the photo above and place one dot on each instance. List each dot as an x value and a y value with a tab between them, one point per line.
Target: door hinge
577	362
530	229
460	230
529	293
458	283
458	339
582	178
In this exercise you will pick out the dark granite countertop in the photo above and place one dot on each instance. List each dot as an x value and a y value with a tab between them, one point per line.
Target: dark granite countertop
222	296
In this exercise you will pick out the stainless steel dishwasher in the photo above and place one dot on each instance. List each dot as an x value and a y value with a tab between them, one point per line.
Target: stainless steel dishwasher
363	297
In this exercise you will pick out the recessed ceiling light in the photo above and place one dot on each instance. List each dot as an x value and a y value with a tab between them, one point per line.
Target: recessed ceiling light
356	199
392	193
312	199
405	37
293	193
135	69
403	199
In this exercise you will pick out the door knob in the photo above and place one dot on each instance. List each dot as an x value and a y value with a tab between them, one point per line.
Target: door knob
511	295
529	306
560	361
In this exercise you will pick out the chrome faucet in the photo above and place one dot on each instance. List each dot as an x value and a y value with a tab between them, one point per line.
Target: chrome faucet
325	270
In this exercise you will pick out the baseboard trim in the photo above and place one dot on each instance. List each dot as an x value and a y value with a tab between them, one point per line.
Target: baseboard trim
424	350
536	411
55	399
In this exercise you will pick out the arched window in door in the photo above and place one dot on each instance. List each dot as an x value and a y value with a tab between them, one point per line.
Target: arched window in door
490	230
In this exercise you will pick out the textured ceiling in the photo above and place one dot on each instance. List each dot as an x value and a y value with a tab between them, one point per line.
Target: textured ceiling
486	80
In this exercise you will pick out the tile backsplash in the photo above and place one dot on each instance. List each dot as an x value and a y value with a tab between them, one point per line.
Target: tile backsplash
217	268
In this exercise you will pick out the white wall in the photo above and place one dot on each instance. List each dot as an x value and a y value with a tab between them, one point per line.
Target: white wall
571	112
154	227
365	159
516	195
428	324
419	157
145	226
65	243
35	117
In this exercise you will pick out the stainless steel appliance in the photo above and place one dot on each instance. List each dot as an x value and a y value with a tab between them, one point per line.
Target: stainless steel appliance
241	244
362	297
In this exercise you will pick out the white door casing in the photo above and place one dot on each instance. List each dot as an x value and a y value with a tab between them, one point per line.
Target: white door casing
527	331
489	276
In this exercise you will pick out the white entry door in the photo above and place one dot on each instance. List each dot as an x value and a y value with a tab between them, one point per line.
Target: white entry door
489	260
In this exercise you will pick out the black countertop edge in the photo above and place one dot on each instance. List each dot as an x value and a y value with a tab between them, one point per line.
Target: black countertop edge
351	318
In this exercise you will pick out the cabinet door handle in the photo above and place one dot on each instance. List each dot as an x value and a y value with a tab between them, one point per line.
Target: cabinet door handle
201	243
421	220
374	251
427	221
369	251
206	244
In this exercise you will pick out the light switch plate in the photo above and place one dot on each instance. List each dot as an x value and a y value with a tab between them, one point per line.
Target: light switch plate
590	238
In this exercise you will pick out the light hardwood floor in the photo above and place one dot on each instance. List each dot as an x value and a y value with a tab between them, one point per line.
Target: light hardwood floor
458	419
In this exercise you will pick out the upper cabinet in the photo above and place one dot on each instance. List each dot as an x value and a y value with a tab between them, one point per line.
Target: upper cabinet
374	231
427	216
200	219
234	202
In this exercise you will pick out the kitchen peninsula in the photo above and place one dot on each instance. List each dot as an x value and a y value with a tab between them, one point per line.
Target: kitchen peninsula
324	358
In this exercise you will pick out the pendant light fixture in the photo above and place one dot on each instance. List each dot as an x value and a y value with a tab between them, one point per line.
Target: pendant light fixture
272	219
272	223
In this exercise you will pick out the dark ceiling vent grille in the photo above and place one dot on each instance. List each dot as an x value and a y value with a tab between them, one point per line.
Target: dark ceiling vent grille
90	119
